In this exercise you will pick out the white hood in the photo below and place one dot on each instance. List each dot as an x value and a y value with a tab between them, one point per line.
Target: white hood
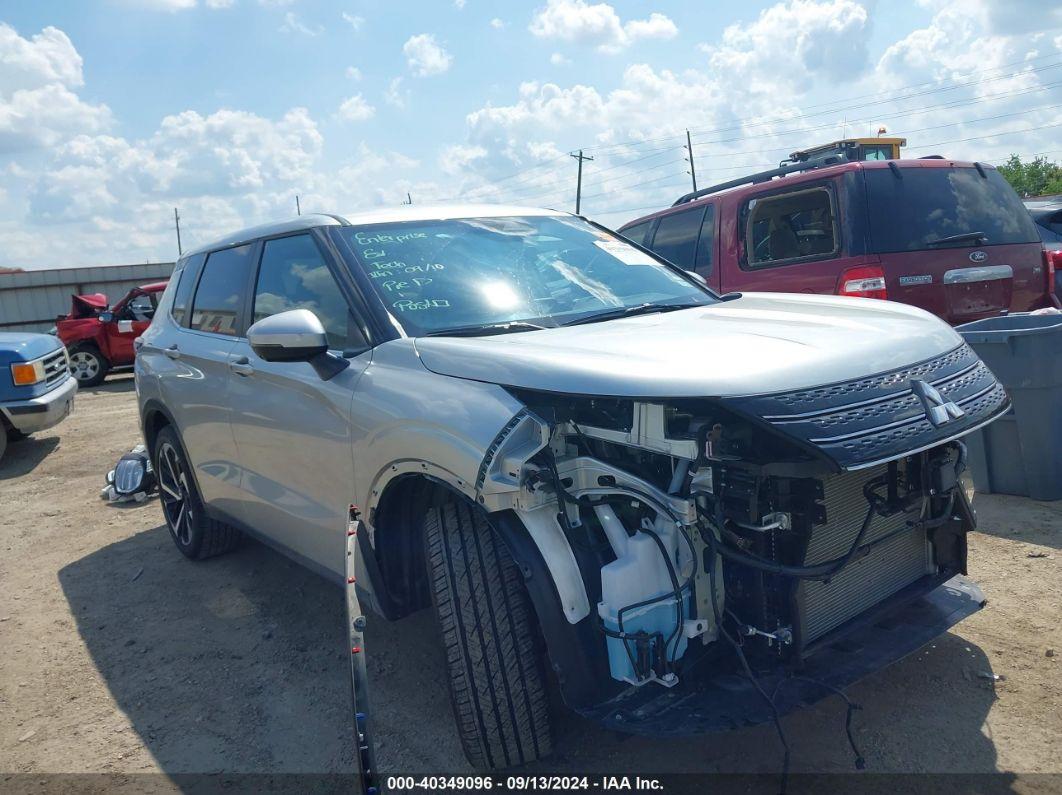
759	343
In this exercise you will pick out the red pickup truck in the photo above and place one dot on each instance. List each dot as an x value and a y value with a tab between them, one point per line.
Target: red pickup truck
950	237
101	339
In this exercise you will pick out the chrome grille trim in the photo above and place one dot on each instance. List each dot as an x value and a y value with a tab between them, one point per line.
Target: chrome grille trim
886	420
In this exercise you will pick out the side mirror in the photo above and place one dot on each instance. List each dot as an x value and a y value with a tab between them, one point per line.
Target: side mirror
293	336
106	317
296	336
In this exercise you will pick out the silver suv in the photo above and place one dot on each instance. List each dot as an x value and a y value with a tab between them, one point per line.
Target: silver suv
688	511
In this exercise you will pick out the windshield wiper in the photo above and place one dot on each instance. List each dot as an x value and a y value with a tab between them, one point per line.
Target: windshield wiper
974	236
486	330
629	311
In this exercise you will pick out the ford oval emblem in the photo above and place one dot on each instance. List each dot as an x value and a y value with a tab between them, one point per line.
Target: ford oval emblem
978	256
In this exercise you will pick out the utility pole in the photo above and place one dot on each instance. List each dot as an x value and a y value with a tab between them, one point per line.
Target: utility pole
693	168
298	207
579	180
177	223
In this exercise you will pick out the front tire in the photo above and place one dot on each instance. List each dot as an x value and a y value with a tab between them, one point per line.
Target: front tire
196	535
497	685
88	365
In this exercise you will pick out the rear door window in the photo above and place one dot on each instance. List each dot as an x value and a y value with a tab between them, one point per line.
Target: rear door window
706	243
294	275
676	237
637	232
790	227
921	206
182	297
221	291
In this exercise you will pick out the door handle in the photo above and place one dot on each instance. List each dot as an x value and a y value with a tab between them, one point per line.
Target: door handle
173	352
241	366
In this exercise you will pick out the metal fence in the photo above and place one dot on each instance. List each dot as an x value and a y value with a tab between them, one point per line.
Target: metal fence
31	300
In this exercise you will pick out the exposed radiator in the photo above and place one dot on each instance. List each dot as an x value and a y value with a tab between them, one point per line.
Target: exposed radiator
867	580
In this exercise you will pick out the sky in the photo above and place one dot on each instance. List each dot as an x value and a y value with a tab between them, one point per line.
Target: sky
114	112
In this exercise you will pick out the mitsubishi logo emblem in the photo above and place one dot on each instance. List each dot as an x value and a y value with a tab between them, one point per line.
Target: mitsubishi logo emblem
938	410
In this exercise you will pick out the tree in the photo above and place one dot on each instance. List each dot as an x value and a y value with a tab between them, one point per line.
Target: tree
1038	177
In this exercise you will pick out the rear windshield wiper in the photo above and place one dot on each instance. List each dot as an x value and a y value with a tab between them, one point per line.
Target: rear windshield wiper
974	236
486	330
629	311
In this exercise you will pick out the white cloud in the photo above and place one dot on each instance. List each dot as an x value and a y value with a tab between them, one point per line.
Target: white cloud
558	59
425	56
459	4
353	20
455	159
356	108
165	5
353	73
792	44
220	3
497	23
598	25
38	106
395	94
293	24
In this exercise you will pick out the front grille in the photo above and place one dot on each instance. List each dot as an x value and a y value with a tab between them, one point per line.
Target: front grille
55	367
879	418
901	556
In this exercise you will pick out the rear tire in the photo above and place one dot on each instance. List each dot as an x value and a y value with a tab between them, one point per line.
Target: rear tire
88	365
497	685
196	535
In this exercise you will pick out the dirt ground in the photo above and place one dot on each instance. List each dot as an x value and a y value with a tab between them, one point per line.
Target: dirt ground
117	655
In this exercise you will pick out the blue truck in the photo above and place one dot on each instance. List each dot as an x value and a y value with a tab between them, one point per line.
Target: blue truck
36	387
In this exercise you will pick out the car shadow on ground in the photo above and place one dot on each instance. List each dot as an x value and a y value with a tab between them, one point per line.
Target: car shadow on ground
239	664
23	456
122	382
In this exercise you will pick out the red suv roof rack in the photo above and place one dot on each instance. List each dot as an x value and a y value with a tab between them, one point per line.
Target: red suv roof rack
764	176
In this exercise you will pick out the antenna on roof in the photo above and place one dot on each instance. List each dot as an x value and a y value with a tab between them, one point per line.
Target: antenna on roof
409	198
298	207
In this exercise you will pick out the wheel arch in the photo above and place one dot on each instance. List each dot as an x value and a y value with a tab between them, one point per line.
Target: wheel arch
395	516
154	416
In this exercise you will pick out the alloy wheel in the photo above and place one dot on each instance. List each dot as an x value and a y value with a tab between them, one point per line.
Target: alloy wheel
175	491
84	365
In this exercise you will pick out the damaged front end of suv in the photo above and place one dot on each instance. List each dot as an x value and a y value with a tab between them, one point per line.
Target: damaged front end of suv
702	564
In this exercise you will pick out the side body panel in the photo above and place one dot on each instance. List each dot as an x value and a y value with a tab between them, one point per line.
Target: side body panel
293	437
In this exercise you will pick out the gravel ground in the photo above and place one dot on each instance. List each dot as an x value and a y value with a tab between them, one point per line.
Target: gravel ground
119	656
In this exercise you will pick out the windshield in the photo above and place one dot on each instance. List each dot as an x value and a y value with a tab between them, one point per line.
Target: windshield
919	209
434	276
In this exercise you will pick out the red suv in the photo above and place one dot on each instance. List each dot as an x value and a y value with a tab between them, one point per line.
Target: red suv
950	237
101	339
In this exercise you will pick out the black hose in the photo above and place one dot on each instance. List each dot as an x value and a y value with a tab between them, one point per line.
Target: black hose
820	571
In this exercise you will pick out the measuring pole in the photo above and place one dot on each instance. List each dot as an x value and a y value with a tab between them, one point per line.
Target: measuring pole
579	180
693	168
177	223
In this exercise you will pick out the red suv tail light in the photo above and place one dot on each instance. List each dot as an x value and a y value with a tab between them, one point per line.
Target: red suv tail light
866	281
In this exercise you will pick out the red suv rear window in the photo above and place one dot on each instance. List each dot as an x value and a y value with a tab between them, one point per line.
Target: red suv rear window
912	209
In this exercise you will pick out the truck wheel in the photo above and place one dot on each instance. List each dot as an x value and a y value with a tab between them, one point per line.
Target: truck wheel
88	366
497	685
196	535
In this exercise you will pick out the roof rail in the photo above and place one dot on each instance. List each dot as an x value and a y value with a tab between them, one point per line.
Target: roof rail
764	176
931	157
